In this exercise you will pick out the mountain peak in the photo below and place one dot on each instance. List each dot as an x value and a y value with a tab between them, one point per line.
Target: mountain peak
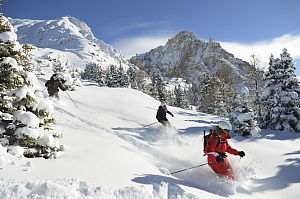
183	36
185	56
186	33
80	24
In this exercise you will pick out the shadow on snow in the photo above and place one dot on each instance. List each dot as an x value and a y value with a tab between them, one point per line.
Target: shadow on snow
287	175
149	179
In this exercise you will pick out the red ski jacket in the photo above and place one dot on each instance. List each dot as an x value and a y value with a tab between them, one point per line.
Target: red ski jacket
216	144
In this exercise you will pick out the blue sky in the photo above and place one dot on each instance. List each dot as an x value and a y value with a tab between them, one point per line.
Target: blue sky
136	26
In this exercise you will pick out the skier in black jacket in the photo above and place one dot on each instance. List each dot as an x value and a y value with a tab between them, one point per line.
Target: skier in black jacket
161	115
52	86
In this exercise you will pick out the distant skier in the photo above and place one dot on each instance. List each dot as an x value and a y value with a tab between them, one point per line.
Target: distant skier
216	149
52	86
161	115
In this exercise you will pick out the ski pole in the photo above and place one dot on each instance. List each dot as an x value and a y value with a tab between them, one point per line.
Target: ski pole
149	124
192	167
40	81
44	89
71	99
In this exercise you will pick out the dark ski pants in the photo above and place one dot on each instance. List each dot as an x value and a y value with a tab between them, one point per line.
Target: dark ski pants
53	94
165	122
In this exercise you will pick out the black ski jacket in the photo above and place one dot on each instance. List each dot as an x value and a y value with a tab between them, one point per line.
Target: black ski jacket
162	113
53	85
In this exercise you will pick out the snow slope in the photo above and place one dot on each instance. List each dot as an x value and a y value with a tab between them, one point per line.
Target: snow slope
108	153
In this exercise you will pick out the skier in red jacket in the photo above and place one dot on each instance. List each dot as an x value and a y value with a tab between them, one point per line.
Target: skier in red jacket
216	149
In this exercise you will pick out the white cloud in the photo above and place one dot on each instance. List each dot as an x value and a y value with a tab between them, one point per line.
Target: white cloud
133	26
264	49
137	45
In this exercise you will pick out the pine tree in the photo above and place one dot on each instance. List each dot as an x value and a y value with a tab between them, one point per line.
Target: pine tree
158	90
58	67
26	117
108	77
93	72
193	95
242	117
132	77
88	71
206	96
115	76
27	61
280	104
124	80
63	75
180	98
141	77
254	77
223	84
99	76
220	108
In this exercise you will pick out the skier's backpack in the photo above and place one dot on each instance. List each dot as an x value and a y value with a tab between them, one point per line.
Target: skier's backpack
206	137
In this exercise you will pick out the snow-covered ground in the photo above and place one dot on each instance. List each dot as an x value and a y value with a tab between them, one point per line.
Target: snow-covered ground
108	153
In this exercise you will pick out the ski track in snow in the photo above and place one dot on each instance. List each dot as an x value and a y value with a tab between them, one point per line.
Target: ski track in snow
168	150
157	157
76	120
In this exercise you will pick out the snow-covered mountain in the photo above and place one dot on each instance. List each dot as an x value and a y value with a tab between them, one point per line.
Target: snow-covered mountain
67	39
188	57
72	41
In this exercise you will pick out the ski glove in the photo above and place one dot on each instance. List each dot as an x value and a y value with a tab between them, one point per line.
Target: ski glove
241	153
223	155
219	159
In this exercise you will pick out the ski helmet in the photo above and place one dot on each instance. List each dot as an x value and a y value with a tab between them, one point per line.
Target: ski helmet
225	125
163	104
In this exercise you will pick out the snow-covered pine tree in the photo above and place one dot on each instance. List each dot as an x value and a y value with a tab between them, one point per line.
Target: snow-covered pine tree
270	94
280	103
205	91
95	73
212	96
141	77
88	72
26	117
242	117
224	85
63	75
170	97
193	94
38	69
157	86
180	98
100	76
220	107
108	76
58	66
132	77
254	75
123	77
124	81
290	96
74	74
115	76
28	62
